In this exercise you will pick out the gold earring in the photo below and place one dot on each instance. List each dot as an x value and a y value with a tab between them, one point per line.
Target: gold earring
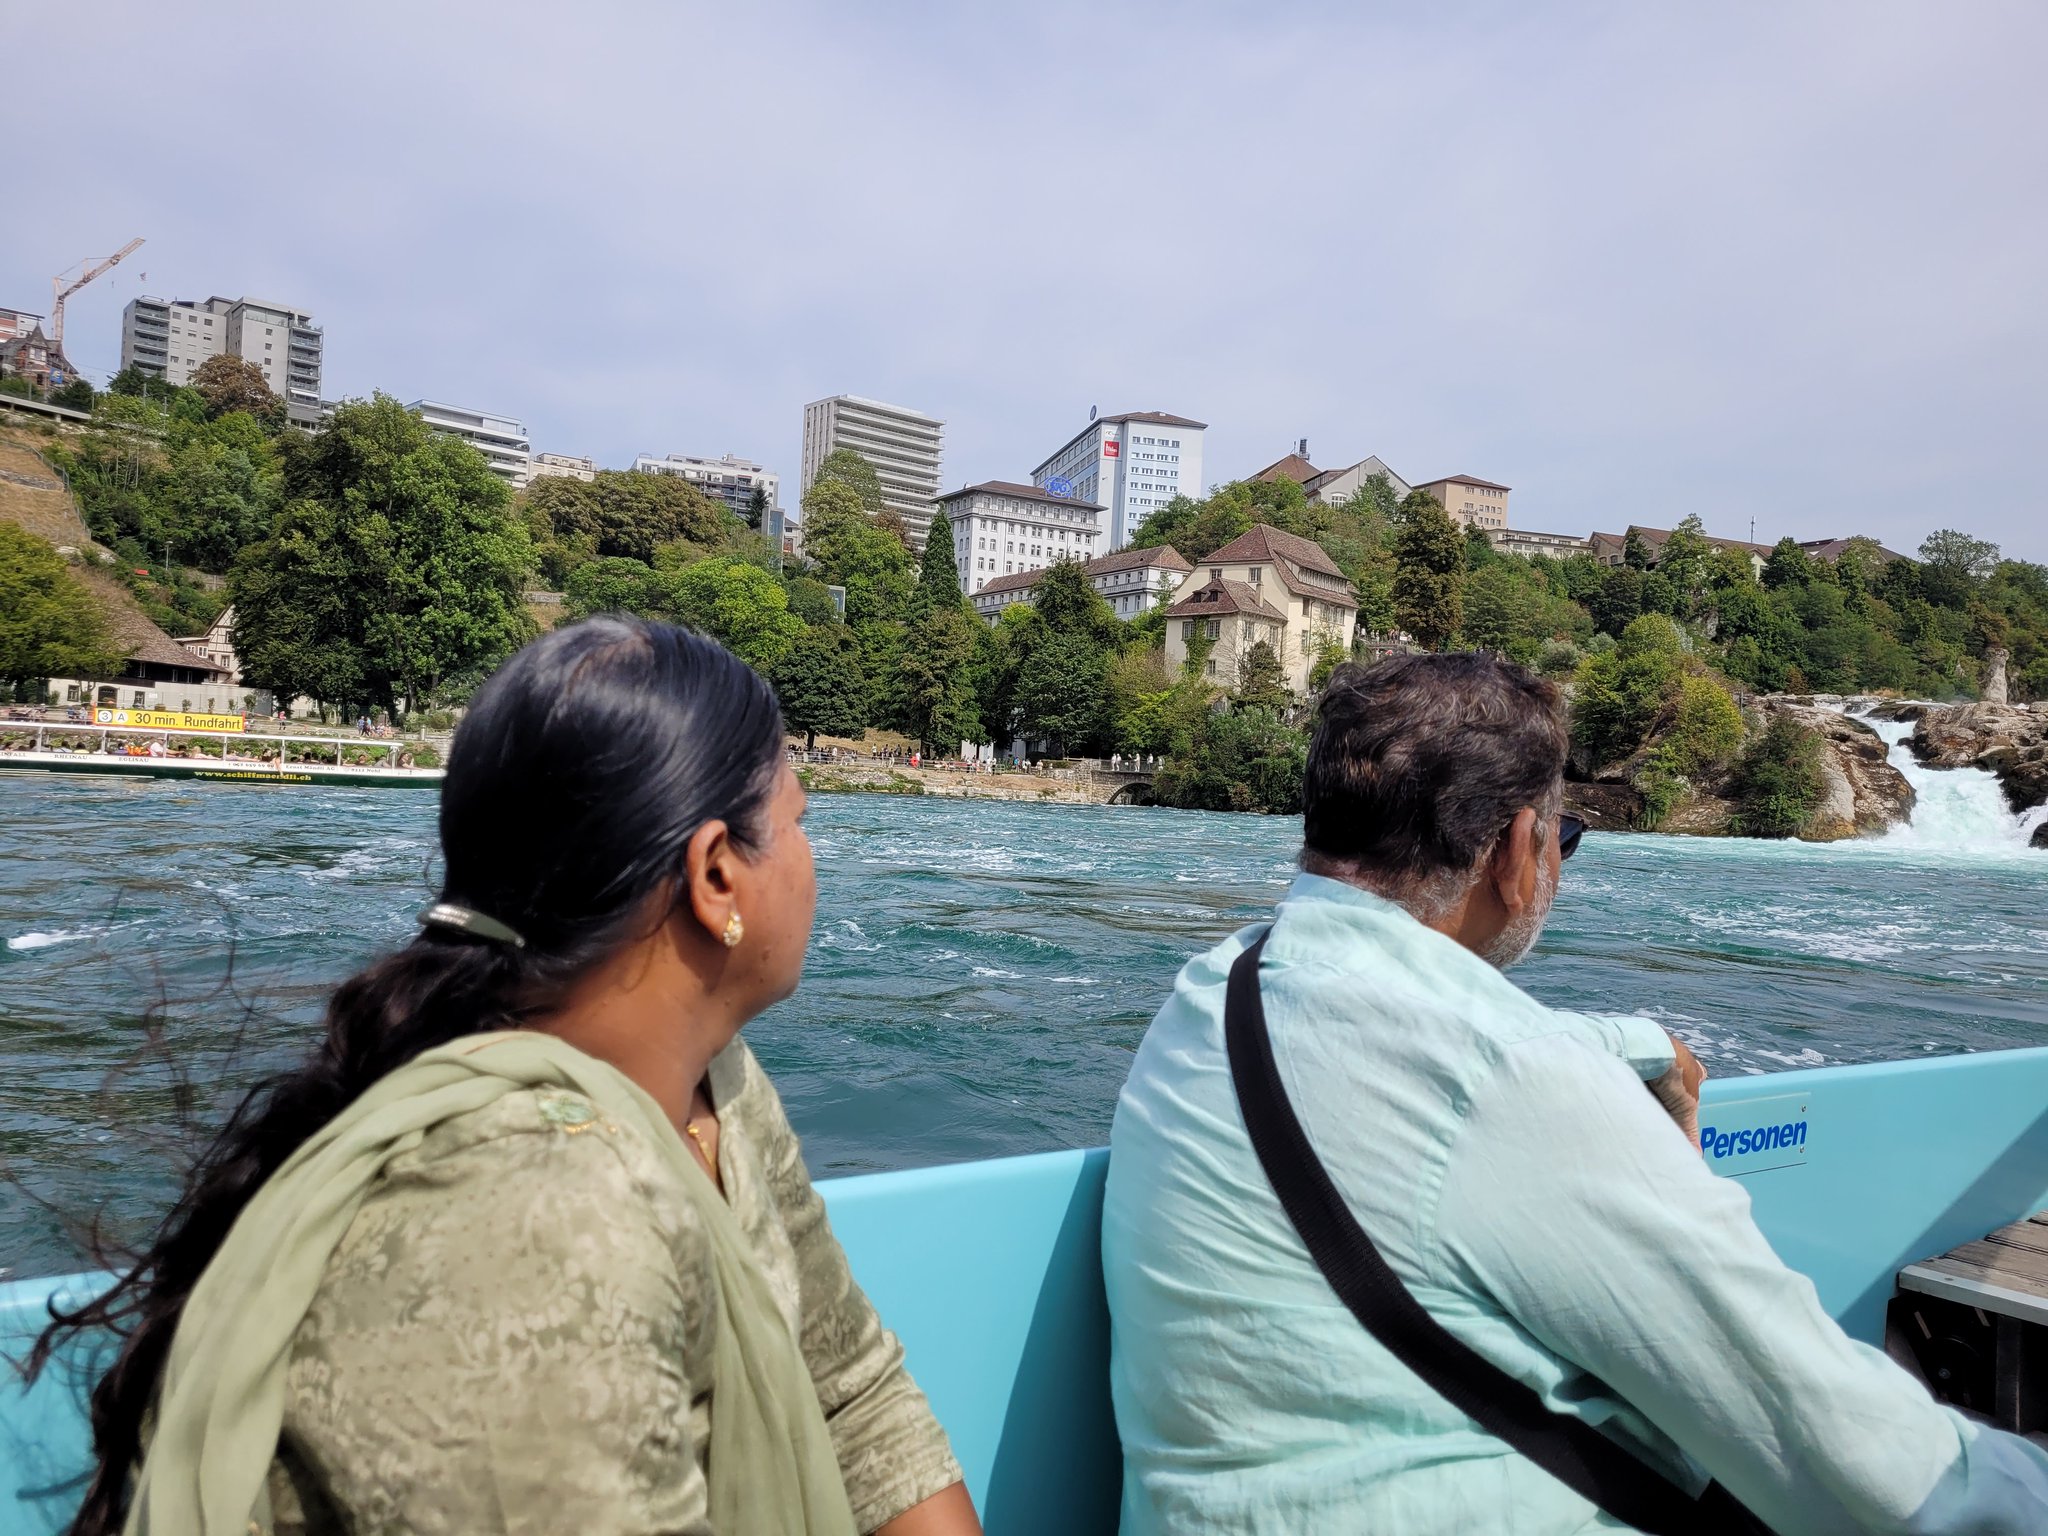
735	930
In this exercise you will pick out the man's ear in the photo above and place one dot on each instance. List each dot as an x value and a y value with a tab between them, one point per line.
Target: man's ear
1515	863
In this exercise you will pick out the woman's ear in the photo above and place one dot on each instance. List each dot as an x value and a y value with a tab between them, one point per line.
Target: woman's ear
711	866
1515	863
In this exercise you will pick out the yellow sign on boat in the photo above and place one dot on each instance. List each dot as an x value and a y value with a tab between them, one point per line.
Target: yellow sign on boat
168	720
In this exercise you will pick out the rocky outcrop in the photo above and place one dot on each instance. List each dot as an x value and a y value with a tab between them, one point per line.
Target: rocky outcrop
1995	686
1604	807
2009	740
1862	793
2040	837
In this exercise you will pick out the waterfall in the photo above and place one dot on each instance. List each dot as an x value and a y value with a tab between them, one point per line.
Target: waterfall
1955	810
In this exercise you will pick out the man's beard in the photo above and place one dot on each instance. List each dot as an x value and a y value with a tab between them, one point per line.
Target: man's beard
1519	937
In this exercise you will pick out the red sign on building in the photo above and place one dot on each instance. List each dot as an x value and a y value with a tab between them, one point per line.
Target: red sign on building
1111	448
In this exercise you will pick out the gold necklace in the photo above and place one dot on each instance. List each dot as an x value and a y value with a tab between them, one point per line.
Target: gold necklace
697	1138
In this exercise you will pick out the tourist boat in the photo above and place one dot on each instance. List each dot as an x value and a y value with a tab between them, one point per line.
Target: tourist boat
213	757
990	1271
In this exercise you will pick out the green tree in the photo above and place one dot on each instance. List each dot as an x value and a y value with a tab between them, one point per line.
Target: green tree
1237	760
396	566
1062	691
936	700
820	685
757	508
1618	600
1953	565
623	512
846	548
1261	680
50	625
844	466
1778	782
215	499
938	573
1620	697
1505	610
77	395
741	606
1708	730
227	383
1636	553
612	584
1787	567
1429	553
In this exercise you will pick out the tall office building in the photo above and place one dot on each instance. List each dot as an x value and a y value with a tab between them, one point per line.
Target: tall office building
731	480
1133	464
902	444
170	338
501	440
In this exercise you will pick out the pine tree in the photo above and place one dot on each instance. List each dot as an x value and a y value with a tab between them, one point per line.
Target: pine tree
938	574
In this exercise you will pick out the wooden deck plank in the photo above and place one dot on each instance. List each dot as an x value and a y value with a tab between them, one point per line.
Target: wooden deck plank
2004	1271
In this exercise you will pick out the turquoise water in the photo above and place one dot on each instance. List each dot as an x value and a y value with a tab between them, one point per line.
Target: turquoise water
980	973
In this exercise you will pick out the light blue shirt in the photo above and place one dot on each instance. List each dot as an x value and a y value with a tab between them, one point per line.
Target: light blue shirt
1510	1166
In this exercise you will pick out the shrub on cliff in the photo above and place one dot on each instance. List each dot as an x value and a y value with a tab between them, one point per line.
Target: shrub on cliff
1708	731
1621	693
1778	781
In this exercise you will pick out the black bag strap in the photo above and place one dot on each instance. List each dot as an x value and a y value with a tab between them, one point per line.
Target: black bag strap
1569	1449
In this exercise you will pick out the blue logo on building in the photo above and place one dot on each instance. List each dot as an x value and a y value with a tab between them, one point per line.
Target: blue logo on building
1055	486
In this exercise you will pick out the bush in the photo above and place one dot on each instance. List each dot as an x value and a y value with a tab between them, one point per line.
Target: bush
1558	658
423	757
1249	759
1661	784
1778	782
1708	731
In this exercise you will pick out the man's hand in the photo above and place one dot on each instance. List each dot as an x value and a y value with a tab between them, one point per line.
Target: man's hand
1678	1090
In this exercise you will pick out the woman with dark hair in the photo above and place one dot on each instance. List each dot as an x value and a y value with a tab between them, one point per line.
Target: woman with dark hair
527	1244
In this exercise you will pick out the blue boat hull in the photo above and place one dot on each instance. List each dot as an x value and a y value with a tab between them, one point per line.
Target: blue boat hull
990	1271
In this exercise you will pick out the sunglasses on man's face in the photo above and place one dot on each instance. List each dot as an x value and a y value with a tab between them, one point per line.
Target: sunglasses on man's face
1569	830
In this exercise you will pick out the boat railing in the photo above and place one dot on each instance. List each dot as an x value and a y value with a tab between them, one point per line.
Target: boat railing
296	745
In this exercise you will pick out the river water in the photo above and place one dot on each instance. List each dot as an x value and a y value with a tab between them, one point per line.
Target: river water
980	973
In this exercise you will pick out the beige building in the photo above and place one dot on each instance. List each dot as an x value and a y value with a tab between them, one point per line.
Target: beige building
171	338
1472	503
1263	585
561	466
1524	541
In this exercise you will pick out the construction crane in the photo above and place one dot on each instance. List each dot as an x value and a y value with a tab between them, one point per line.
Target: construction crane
63	285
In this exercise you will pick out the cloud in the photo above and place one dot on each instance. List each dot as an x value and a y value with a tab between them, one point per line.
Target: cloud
1770	262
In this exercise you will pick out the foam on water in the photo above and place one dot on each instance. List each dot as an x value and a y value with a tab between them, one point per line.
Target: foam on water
1955	810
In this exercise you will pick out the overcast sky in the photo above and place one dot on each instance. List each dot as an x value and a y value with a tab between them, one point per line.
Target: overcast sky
1775	261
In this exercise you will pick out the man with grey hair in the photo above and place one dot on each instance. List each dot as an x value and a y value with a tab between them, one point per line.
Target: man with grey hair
1582	1280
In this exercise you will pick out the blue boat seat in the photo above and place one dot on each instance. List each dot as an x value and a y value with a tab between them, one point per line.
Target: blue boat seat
991	1272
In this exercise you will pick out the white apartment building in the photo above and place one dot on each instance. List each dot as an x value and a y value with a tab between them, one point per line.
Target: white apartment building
731	480
1001	528
1132	464
561	466
501	440
1130	581
170	338
17	322
902	444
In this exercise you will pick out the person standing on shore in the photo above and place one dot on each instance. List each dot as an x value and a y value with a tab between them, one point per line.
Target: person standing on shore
526	1241
1487	1181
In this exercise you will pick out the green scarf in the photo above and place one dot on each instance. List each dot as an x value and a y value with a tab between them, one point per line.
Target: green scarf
221	1405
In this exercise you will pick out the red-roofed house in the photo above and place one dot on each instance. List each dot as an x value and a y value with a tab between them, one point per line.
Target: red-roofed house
1263	585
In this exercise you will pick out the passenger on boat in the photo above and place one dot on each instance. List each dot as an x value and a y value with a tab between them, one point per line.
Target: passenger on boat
527	1242
1515	1178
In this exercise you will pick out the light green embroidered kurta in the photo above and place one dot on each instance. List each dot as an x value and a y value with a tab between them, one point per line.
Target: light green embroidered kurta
515	1335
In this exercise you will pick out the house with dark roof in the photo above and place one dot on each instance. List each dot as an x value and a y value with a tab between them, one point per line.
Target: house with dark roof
1263	585
1131	581
1330	486
1611	548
